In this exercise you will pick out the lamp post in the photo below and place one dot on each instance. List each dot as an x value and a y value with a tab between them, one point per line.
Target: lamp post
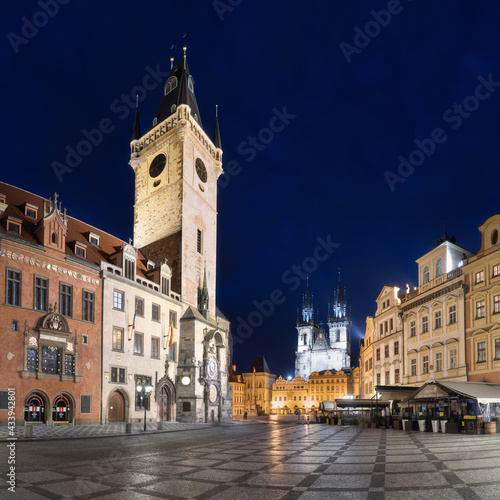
144	392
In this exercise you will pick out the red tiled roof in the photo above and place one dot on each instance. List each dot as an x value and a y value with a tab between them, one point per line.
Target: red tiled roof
16	199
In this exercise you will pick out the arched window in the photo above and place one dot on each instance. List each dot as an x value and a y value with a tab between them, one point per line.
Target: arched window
171	84
338	336
426	274
173	108
439	267
54	237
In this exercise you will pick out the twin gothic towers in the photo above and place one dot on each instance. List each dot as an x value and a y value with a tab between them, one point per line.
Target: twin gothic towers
323	346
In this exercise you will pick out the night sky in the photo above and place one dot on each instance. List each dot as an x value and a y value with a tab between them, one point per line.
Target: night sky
313	113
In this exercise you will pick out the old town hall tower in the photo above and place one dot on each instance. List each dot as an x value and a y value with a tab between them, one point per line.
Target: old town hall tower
176	168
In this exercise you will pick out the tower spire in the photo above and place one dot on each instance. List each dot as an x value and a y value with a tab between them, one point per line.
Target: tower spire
216	138
136	132
204	297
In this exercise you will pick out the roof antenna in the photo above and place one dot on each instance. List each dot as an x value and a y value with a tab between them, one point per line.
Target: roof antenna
184	49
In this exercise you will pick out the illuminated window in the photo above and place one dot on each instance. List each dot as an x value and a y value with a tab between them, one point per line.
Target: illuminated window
117	339
426	274
425	324
437	319
479	277
453	358
139	307
497	348
138	343
496	270
439	267
481	352
413	329
118	302
439	361
425	364
452	315
496	304
480	309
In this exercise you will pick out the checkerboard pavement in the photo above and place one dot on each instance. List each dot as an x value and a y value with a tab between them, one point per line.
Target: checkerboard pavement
288	462
85	431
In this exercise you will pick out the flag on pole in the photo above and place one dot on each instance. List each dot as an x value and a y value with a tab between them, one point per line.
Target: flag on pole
165	339
171	341
129	331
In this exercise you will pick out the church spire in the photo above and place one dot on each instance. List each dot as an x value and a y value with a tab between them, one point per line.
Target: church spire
179	89
204	297
136	133
216	138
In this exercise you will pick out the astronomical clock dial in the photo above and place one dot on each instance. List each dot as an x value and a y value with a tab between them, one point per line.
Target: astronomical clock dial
157	165
212	368
212	394
201	170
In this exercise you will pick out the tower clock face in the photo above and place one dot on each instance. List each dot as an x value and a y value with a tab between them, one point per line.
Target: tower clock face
201	170
212	368
157	165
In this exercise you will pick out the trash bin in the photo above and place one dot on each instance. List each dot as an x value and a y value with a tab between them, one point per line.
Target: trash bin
471	427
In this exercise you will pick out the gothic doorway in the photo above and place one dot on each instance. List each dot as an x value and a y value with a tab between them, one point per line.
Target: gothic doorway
212	416
116	407
166	400
62	410
34	408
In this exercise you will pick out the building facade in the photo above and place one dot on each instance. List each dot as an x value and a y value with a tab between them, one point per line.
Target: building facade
433	317
387	345
482	306
323	347
258	388
238	388
50	316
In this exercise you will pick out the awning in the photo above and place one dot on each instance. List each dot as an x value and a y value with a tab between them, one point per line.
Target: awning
394	392
483	393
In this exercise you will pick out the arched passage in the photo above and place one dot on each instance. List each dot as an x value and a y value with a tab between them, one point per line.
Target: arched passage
63	408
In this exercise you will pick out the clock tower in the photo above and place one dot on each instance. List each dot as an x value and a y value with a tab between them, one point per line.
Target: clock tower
176	168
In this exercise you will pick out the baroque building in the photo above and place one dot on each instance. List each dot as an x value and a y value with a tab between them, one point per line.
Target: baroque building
433	316
482	306
323	347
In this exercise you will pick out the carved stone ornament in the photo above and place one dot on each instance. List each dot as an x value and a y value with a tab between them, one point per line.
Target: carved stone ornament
54	323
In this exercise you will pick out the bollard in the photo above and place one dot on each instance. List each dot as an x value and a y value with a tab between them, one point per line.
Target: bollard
158	425
28	432
128	428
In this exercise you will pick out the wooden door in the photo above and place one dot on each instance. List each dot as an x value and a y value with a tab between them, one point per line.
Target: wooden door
116	410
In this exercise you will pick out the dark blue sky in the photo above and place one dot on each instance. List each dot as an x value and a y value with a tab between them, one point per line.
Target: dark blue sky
353	103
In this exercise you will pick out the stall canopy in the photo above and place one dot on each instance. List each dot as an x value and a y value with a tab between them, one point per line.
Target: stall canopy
393	392
483	393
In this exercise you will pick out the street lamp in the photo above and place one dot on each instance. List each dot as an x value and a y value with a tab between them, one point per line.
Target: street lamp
144	392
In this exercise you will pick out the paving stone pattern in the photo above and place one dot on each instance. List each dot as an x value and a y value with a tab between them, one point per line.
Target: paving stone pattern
289	462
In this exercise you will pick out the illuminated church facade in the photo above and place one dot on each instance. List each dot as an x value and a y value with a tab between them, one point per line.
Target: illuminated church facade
322	346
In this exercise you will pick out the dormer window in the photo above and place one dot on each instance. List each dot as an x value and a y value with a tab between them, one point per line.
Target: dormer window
80	250
31	210
94	239
13	225
130	269
191	83
3	198
173	108
151	265
155	121
171	84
